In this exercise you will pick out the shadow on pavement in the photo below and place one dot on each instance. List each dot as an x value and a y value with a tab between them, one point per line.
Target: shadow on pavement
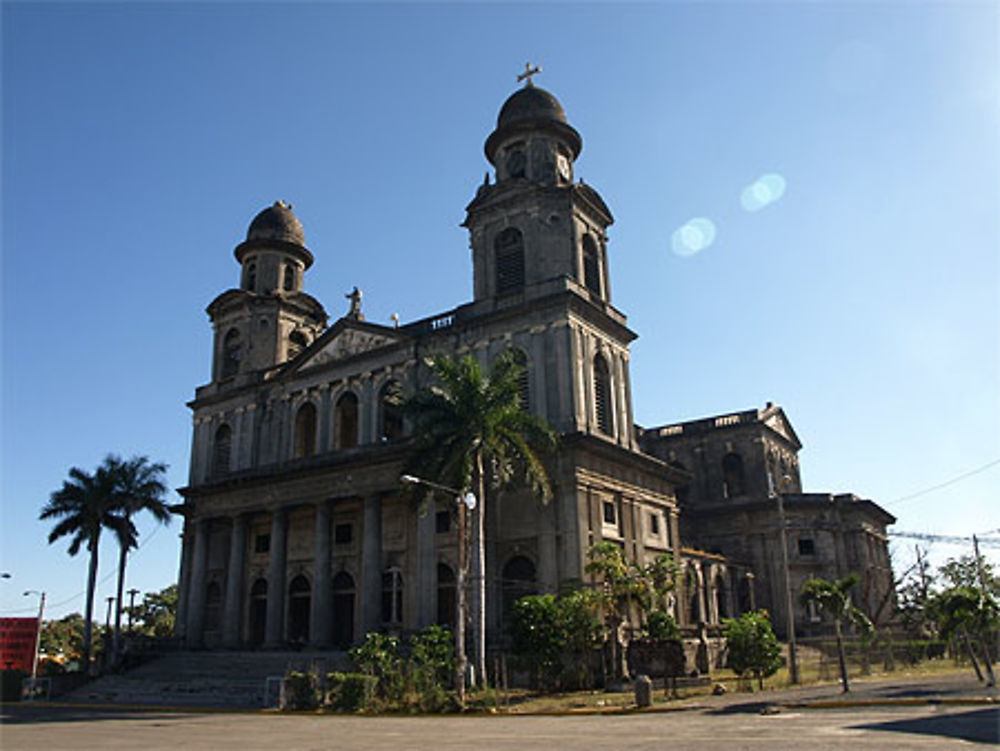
978	726
28	714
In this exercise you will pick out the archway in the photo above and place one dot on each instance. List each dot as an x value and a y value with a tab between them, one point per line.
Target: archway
299	602
258	612
343	610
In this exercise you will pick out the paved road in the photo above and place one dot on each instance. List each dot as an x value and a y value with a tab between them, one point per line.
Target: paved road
723	729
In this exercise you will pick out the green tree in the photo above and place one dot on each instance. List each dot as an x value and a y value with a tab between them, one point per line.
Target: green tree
473	433
753	647
139	485
156	614
969	615
63	636
964	572
624	584
833	598
84	506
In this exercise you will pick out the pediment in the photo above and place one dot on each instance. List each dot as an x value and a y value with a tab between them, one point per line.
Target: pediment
348	339
778	422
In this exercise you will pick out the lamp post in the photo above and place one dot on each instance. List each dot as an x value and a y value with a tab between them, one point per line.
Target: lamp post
38	637
793	663
131	606
465	503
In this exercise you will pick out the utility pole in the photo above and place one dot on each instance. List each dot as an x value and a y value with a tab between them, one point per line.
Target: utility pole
131	605
793	662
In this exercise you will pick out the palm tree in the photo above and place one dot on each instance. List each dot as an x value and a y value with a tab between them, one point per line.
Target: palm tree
139	485
834	599
84	505
472	431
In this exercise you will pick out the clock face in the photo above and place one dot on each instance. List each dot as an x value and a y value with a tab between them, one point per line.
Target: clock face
562	166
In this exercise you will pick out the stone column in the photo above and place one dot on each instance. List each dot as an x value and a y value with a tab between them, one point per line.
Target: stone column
196	591
234	582
426	567
183	583
370	594
275	631
322	596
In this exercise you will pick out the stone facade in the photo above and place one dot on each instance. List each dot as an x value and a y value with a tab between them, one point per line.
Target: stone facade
738	464
297	530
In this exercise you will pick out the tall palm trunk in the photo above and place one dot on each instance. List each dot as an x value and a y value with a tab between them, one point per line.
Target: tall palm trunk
122	560
89	606
479	575
841	657
460	609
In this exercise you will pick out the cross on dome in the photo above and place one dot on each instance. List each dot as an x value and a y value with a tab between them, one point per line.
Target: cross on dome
529	71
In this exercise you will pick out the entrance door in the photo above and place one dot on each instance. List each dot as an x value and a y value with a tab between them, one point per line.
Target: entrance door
343	610
258	612
299	602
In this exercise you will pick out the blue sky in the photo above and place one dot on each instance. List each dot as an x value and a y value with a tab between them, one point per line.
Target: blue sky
139	140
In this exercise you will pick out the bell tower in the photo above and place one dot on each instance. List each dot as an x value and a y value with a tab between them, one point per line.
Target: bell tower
269	319
534	225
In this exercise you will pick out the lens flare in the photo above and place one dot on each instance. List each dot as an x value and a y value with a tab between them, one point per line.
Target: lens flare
693	236
763	192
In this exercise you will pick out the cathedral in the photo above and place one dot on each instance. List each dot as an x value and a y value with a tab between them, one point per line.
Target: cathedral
297	529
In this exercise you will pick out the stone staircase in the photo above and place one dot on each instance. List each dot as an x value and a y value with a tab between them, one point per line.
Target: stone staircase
206	679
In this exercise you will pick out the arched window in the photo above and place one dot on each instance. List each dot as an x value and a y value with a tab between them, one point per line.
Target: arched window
343	610
392	596
296	343
305	431
346	420
288	282
518	580
523	383
509	247
390	412
446	595
222	450
213	606
251	280
733	484
591	265
258	611
721	597
299	602
603	406
232	353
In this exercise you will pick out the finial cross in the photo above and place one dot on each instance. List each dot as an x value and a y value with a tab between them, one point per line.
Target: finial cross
529	71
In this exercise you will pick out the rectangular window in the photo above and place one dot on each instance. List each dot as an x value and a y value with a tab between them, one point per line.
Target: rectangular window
654	524
610	517
807	546
262	543
343	534
442	522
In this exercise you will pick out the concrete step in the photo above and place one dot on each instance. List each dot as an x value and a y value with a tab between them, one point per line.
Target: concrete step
222	679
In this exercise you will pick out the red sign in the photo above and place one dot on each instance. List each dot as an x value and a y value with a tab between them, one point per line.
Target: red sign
17	643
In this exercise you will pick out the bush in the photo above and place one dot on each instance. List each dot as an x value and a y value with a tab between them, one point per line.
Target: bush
661	626
299	691
379	657
432	667
349	692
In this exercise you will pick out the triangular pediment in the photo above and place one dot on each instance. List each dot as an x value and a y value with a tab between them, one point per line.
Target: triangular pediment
346	339
777	421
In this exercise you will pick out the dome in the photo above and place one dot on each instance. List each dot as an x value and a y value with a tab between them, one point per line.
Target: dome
277	222
532	109
530	104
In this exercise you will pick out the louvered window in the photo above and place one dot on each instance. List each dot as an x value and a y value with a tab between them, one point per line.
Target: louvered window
591	265
604	409
509	248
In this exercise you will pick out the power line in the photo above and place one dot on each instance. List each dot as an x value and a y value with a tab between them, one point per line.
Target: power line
986	542
946	483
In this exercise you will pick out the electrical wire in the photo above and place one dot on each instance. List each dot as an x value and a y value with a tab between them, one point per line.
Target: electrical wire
944	484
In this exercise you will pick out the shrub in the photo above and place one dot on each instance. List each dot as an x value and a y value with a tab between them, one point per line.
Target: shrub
432	666
299	691
661	626
378	656
349	692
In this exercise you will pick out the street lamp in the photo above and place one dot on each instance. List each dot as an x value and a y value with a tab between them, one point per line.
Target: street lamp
793	663
465	503
38	637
